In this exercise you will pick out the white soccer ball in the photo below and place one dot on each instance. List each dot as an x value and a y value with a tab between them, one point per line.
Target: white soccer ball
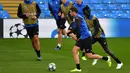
52	66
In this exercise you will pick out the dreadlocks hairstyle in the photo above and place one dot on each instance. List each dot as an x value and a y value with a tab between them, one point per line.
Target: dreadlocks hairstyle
86	11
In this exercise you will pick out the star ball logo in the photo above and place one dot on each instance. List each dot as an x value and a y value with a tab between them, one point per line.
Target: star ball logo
18	30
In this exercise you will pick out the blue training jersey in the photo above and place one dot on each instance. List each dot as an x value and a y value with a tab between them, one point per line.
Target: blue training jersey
54	6
82	27
80	8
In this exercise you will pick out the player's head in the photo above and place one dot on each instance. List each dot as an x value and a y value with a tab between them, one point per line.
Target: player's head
28	1
86	11
73	11
63	1
78	1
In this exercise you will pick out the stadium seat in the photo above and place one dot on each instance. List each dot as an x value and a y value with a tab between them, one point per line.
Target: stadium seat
122	1
102	14
41	1
124	6
1	7
43	7
4	14
126	16
91	6
42	15
116	14
85	1
112	7
93	12
72	0
108	1
47	14
93	1
99	6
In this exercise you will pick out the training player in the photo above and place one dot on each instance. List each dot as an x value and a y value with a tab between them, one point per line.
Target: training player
65	8
29	11
99	35
54	6
84	41
80	5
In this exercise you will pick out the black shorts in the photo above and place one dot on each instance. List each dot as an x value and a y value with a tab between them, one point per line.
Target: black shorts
31	31
102	41
85	44
61	23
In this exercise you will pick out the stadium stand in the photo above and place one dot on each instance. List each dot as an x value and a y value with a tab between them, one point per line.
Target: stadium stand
3	13
1	7
100	8
10	6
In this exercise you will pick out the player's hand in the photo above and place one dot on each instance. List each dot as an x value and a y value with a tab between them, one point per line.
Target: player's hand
62	16
27	14
34	17
59	14
97	36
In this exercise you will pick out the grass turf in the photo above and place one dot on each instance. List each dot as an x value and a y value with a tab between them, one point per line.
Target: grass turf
18	56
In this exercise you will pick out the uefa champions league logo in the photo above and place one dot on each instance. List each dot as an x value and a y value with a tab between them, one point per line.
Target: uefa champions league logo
18	31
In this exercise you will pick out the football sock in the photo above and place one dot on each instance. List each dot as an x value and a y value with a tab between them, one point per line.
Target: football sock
112	55
83	54
78	66
117	60
105	58
59	45
38	53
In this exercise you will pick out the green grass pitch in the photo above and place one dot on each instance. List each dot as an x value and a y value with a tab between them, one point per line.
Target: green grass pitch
18	56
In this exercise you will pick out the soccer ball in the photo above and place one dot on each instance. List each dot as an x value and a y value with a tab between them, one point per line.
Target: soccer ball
18	31
52	67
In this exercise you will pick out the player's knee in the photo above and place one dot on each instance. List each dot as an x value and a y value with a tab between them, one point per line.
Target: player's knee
74	51
60	31
106	50
68	33
89	55
35	38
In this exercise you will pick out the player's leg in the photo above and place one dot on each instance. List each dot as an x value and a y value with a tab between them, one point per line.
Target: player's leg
94	40
61	26
64	32
83	53
104	44
88	48
76	56
83	57
36	42
33	34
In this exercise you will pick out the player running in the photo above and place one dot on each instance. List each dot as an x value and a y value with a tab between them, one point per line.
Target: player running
99	36
84	41
54	6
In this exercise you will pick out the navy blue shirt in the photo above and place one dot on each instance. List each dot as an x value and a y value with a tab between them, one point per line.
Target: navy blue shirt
82	27
54	6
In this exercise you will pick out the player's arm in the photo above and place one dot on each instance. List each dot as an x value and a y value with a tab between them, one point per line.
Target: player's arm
50	8
78	23
77	26
71	34
19	12
38	11
96	26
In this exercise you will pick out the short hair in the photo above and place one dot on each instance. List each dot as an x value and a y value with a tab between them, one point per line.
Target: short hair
74	9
